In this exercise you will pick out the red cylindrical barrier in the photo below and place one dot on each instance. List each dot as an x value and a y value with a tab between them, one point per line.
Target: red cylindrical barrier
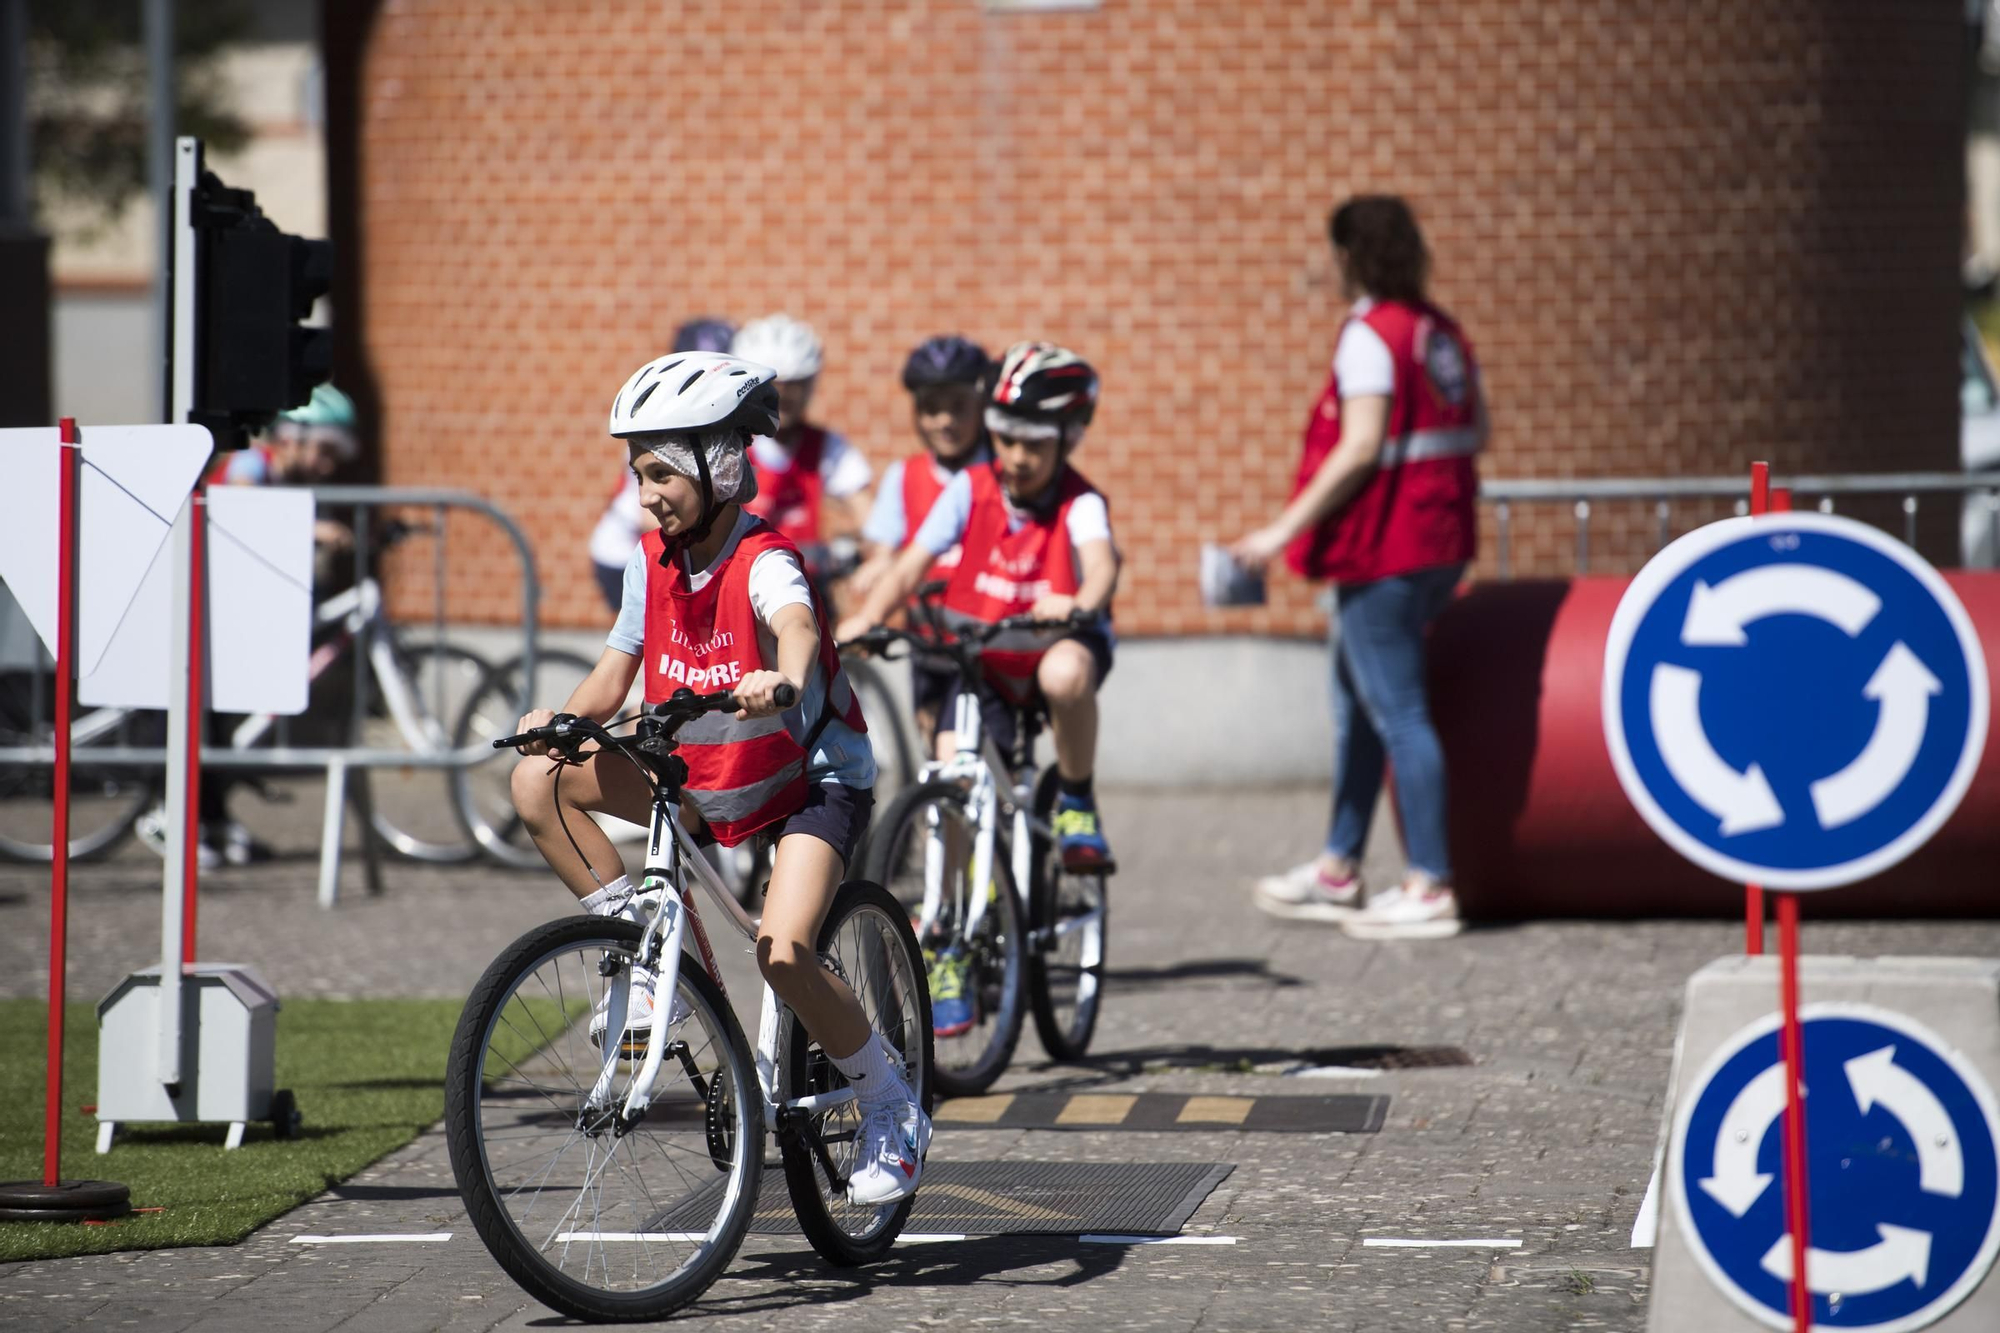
1539	824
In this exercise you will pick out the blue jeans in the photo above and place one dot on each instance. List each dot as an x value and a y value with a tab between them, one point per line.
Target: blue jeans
1380	712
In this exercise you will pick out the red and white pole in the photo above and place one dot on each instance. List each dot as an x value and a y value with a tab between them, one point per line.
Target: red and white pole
197	705
1753	894
69	488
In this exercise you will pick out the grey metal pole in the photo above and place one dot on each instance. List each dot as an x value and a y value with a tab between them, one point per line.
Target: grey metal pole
160	125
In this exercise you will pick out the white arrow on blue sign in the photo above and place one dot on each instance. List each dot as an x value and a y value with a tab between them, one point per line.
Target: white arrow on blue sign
1902	1176
1793	700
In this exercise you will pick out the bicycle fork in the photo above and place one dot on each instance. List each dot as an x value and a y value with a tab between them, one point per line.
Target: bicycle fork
663	939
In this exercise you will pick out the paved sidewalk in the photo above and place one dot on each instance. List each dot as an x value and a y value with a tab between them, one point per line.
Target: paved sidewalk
1545	1139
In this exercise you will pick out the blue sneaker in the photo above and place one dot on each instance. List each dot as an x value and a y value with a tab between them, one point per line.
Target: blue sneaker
1080	839
951	1009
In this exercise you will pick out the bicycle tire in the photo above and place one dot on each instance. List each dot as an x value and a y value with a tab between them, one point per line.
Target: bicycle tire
444	677
897	768
490	1204
105	802
842	1233
481	796
996	962
1066	997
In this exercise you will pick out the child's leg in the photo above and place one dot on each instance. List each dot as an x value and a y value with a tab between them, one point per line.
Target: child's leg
606	783
1067	676
805	871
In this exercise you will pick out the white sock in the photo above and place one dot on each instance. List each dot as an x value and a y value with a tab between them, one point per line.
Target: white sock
875	1080
609	898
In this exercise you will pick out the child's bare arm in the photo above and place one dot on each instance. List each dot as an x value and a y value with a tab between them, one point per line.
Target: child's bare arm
798	645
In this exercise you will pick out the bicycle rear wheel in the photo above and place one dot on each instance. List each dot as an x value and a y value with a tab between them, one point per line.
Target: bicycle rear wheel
595	1219
482	798
103	800
867	942
1067	920
888	728
922	827
412	807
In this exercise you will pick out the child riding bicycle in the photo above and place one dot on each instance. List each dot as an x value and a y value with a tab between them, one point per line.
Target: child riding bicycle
716	600
1037	539
945	376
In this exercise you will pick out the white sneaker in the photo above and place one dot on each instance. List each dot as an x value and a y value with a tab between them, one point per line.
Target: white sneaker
639	1011
1306	893
1403	913
894	1138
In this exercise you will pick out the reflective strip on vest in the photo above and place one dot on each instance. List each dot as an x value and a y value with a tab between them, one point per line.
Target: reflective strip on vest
722	728
1427	446
729	804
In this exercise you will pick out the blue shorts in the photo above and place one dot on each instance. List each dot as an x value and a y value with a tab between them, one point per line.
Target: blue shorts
999	716
834	813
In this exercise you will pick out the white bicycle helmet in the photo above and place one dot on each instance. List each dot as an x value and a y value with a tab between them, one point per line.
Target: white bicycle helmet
696	412
788	344
687	391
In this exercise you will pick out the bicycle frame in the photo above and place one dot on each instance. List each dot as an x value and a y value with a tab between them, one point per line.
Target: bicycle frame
976	765
671	856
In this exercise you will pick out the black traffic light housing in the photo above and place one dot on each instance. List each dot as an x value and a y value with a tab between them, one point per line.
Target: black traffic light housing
256	283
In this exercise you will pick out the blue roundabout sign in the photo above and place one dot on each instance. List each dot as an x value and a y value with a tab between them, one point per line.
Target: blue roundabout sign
1795	700
1902	1178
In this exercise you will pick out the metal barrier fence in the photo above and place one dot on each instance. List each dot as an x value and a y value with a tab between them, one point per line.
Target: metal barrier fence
1979	521
339	762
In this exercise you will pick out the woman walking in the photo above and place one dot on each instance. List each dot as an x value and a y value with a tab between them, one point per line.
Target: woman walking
1383	509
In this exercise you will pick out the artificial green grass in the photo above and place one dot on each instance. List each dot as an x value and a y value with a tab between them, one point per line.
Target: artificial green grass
368	1075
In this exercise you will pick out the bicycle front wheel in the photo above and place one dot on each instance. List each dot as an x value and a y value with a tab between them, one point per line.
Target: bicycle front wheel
866	941
596	1217
482	795
976	974
103	800
1067	919
412	810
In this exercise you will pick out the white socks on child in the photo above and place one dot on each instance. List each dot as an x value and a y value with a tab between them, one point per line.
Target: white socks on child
875	1079
608	899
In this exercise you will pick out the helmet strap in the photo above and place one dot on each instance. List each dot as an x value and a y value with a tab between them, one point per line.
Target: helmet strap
684	544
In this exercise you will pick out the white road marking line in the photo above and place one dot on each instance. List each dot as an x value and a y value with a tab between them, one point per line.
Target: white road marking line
1156	1240
1384	1242
929	1237
405	1238
684	1237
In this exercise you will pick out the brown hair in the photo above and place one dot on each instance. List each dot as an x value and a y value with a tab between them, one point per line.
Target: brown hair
1384	247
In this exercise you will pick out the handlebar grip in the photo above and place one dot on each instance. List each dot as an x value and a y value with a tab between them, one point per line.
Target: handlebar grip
509	742
786	696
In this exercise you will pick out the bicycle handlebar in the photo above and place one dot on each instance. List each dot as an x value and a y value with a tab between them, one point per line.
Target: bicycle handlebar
682	708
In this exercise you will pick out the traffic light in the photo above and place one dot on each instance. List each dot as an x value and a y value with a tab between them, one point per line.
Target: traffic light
255	283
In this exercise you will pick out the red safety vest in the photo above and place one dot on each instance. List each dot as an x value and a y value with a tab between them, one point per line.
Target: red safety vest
921	489
1416	511
789	500
742	776
1005	573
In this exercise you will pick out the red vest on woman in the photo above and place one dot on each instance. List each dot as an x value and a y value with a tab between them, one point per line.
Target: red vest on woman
921	489
742	776
1416	510
1004	573
789	500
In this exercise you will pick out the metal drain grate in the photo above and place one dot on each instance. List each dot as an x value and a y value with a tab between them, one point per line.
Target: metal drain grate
1029	1198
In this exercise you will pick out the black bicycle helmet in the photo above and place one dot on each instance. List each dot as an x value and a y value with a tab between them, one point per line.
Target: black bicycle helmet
945	359
1040	390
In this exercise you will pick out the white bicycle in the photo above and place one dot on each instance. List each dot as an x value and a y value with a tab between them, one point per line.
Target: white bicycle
617	1183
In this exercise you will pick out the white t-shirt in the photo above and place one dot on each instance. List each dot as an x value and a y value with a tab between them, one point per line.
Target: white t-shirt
842	469
1361	360
841	755
887	524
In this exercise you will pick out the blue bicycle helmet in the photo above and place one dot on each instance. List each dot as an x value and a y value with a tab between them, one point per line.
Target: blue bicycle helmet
707	334
945	359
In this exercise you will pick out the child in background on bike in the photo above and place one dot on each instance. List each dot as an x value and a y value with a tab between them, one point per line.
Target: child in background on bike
1037	540
945	377
811	484
716	599
624	520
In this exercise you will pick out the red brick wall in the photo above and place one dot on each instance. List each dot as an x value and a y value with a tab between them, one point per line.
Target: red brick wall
1681	236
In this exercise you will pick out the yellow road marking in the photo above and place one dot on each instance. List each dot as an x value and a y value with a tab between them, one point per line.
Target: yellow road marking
1216	1110
1097	1108
976	1110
